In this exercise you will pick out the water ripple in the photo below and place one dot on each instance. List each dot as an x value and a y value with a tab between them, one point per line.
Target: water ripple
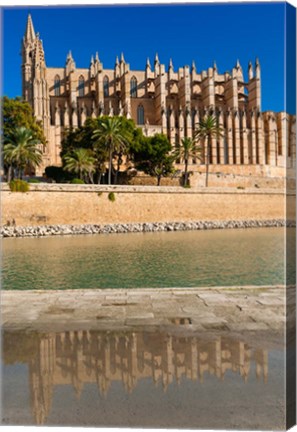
193	258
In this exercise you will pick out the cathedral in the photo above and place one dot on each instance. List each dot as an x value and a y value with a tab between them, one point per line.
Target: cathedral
159	100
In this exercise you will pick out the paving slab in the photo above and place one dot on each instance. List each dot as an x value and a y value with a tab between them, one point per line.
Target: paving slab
249	307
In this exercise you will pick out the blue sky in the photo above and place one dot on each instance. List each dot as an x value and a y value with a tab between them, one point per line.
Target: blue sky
202	32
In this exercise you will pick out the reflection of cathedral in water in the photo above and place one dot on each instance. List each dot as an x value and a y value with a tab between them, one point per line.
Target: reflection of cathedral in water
78	358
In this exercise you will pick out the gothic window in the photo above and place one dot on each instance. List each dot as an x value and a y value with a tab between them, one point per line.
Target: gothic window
133	87
140	115
106	86
57	85
81	86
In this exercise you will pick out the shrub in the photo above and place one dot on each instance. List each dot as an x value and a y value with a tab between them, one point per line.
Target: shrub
33	180
187	186
111	197
19	186
77	181
58	174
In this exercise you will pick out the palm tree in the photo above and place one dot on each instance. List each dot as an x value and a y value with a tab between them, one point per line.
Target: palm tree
20	150
113	136
80	161
208	129
188	149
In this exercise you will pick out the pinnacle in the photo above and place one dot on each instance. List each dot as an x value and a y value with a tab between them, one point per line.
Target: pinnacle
30	33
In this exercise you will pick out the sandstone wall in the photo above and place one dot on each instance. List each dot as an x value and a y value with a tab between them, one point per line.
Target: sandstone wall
247	176
47	204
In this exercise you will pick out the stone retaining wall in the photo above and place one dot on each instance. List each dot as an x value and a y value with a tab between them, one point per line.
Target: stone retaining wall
53	204
50	230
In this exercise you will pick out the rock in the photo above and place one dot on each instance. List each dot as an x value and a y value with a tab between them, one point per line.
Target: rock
46	230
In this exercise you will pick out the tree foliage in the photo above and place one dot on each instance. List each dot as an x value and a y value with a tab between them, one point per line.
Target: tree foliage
80	161
114	137
18	113
20	149
96	134
188	150
207	130
154	158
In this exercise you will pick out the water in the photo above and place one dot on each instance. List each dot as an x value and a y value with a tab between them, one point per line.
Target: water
174	259
175	376
145	379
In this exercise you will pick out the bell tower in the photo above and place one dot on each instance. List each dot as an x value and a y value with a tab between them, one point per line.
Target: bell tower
34	82
28	46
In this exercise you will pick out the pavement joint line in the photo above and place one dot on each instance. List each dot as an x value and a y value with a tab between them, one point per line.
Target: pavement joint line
73	308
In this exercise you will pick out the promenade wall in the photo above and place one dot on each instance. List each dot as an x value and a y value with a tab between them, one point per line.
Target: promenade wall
53	204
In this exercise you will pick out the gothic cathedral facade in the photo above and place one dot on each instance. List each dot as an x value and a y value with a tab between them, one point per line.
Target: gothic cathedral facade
159	101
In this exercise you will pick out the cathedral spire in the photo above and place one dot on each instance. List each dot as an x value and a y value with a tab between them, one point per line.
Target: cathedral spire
257	68
193	66
29	33
148	64
92	60
122	58
97	57
69	56
117	61
70	65
238	65
170	64
157	59
250	71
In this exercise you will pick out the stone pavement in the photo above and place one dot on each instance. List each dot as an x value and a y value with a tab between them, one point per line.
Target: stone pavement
215	308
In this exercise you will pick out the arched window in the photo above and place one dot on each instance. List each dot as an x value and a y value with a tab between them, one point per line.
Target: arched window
57	86
133	87
106	86
140	115
81	86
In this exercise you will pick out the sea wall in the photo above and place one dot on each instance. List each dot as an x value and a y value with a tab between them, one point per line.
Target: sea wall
53	204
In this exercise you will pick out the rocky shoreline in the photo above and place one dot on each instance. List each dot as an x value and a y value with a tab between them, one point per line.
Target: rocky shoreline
51	230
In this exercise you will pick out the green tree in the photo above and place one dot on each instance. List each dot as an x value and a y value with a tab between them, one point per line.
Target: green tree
83	137
115	138
153	157
208	129
17	113
81	162
188	150
20	150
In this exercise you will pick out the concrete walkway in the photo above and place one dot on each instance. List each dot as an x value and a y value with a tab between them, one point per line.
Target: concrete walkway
218	308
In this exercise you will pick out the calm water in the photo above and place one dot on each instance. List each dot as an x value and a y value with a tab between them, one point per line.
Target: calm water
185	259
144	379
